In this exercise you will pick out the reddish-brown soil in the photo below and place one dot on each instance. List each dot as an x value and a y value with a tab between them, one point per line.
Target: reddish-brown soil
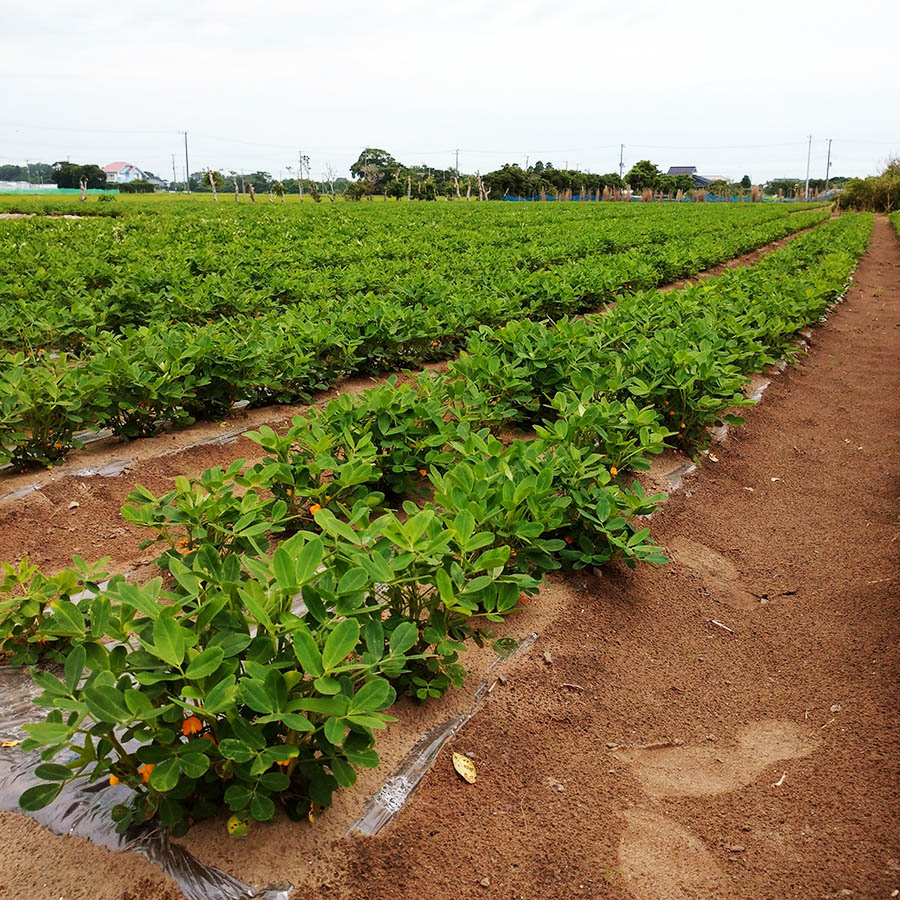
723	727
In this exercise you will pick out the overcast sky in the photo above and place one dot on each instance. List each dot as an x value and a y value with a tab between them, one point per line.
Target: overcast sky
733	88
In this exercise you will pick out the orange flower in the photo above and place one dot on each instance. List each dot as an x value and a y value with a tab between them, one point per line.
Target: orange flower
289	492
113	780
613	471
423	472
282	762
682	424
146	771
183	542
570	539
522	599
191	725
314	509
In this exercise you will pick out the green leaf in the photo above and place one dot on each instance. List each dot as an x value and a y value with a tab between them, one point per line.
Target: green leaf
373	695
254	694
285	574
74	667
53	772
48	733
106	704
491	559
221	696
335	730
194	765
296	722
138	704
327	685
205	663
144	599
352	581
238	796
403	637
237	750
343	772
67	619
307	652
262	808
309	560
445	586
165	775
39	796
340	643
168	640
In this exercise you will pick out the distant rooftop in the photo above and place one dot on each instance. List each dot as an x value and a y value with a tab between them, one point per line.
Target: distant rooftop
682	170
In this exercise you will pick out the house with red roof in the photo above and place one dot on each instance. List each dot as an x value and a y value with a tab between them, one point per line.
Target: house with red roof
122	173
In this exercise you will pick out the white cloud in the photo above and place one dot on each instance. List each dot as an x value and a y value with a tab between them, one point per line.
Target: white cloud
680	84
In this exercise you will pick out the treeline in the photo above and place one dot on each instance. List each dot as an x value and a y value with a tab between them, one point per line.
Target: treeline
878	193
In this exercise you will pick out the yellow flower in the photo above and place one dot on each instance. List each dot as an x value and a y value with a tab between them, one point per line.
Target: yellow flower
613	471
146	771
113	780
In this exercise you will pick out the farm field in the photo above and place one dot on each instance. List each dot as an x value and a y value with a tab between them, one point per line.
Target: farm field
173	311
318	594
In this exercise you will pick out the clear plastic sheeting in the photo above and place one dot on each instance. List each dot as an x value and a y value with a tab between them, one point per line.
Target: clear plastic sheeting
21	492
83	809
393	794
107	470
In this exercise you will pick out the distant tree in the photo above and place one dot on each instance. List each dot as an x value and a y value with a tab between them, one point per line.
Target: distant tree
375	167
260	180
643	174
70	175
36	173
719	189
745	182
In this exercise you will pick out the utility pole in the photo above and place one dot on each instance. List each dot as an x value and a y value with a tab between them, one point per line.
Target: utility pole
828	166
808	155
457	160
174	177
187	166
621	160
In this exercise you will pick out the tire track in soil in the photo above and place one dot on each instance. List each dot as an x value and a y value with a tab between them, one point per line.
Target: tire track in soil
45	527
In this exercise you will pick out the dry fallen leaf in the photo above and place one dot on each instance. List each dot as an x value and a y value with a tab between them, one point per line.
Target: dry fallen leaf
6	744
465	767
713	457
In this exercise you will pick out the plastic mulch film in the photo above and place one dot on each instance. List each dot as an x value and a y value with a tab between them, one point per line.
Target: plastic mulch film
393	794
83	809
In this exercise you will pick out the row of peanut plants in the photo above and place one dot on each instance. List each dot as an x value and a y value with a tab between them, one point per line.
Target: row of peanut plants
298	595
316	324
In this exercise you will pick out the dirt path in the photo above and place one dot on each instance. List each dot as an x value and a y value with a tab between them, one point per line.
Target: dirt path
655	755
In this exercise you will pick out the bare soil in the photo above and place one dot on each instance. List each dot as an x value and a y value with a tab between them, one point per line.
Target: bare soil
722	727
